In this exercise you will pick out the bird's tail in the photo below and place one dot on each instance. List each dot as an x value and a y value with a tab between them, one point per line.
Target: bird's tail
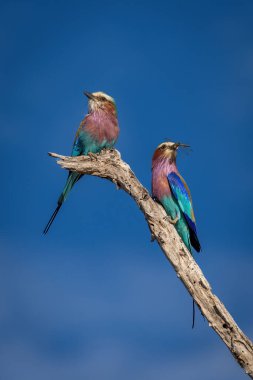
46	229
72	179
188	245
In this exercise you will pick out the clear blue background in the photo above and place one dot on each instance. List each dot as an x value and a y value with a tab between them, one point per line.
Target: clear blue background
94	299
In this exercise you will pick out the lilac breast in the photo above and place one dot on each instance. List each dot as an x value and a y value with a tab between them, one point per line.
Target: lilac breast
160	185
102	126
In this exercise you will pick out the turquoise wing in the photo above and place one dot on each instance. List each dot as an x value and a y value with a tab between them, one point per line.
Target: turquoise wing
181	193
79	143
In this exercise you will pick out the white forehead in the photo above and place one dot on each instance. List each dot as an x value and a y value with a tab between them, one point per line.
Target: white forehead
168	144
100	93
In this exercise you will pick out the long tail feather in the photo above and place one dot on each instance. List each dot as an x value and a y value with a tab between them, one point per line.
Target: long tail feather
72	179
52	218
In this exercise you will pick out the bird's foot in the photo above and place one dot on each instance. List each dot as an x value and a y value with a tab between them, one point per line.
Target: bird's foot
171	220
92	156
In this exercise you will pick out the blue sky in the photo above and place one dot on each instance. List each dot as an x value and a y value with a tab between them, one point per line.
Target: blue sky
95	299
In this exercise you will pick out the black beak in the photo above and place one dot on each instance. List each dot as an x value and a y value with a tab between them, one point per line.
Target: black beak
89	95
178	144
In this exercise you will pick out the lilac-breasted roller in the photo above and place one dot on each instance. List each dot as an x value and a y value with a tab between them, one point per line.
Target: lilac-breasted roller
98	130
171	190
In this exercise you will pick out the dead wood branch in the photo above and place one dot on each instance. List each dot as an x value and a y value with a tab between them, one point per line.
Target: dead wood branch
110	166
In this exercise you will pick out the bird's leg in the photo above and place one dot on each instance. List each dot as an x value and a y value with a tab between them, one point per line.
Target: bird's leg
171	220
92	156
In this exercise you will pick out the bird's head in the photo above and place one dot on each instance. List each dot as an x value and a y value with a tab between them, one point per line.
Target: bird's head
100	101
168	150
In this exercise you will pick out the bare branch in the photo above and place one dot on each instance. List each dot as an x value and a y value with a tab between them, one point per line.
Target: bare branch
109	165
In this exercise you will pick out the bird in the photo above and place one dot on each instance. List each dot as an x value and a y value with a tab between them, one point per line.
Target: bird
97	131
171	191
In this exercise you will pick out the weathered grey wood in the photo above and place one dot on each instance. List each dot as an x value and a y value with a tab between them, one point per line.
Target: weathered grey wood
109	165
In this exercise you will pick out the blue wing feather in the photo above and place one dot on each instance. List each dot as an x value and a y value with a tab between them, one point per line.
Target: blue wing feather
182	195
77	148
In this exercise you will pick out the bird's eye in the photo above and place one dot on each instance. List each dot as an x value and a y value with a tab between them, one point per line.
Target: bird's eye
163	146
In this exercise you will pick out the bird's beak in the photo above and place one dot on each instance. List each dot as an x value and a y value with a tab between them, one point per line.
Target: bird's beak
178	144
89	95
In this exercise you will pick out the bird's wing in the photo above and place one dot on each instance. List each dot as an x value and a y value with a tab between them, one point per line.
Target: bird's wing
182	195
79	142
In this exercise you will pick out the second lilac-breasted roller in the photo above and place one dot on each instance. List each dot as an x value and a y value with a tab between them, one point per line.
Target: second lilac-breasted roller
98	130
171	190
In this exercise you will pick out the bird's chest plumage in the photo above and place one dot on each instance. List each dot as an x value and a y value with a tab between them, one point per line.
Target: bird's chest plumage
160	185
102	126
162	192
99	131
161	188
